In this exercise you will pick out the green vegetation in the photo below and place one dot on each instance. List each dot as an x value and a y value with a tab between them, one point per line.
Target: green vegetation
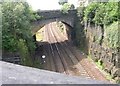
80	13
60	26
62	2
111	36
103	19
24	53
102	13
66	7
16	24
89	12
16	30
99	62
100	65
35	16
106	15
79	31
37	63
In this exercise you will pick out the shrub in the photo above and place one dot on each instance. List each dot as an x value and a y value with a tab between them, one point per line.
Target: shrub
111	35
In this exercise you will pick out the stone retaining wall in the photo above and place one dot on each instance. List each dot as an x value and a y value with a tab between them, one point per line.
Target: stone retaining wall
100	52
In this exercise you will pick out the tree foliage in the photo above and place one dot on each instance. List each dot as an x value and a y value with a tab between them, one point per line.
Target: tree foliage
105	38
62	2
105	14
89	12
66	7
102	13
80	14
16	26
111	36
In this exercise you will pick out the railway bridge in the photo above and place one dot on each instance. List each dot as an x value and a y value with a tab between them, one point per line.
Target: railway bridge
60	55
54	15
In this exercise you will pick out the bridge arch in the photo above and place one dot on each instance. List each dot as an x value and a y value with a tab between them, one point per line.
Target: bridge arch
52	16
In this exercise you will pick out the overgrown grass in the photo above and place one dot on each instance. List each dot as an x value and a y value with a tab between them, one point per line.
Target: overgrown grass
100	65
37	64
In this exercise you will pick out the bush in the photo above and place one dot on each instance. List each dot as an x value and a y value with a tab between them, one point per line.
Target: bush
102	13
89	12
24	53
111	35
16	29
66	7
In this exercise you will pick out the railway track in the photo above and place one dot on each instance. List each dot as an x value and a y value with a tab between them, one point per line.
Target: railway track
78	69
61	56
63	59
90	67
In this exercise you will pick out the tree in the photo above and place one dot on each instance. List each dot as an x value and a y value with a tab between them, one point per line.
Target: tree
62	2
16	30
102	13
67	7
72	7
89	12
